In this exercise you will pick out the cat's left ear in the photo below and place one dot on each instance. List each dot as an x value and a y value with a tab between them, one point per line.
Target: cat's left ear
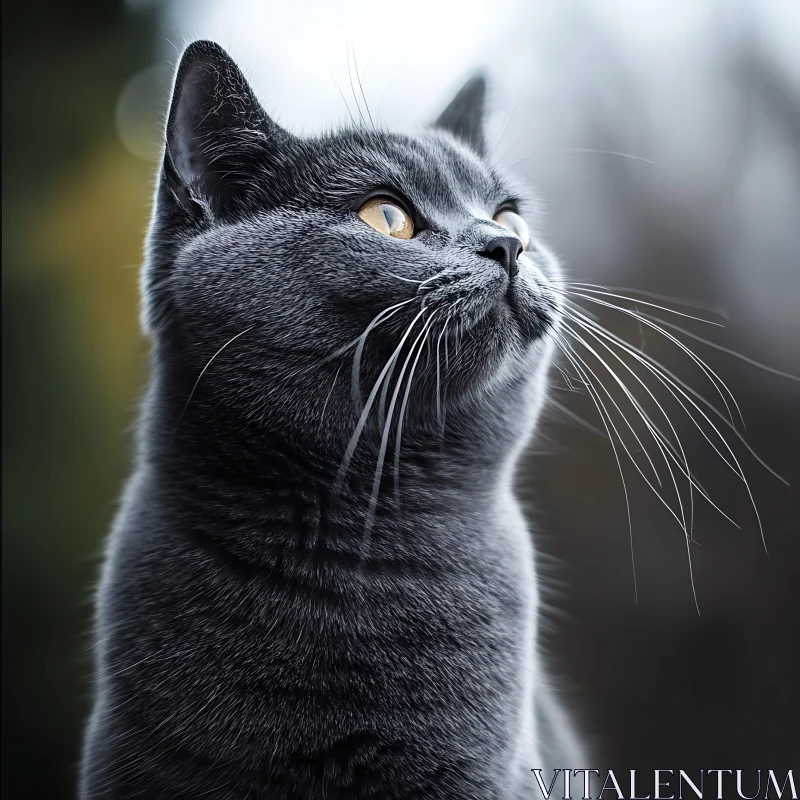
464	115
216	131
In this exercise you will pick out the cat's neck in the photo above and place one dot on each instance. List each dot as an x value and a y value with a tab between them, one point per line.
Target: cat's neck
273	506
221	467
190	434
255	458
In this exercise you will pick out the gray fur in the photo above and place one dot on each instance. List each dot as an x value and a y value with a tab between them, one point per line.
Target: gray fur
268	626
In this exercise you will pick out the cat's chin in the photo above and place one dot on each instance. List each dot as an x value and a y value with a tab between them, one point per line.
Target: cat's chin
522	309
506	343
518	315
535	314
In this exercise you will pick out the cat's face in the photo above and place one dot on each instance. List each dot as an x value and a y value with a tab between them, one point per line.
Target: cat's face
300	245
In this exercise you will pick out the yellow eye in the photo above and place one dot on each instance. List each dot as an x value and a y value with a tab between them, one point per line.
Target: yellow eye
513	222
387	218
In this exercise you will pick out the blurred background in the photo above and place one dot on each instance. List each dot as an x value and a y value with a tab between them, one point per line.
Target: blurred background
704	93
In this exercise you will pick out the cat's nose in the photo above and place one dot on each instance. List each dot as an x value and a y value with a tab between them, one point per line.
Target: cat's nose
505	250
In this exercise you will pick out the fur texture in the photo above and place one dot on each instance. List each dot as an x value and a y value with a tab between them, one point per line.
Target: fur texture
273	620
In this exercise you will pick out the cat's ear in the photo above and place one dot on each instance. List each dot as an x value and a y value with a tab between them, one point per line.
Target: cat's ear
464	115
215	124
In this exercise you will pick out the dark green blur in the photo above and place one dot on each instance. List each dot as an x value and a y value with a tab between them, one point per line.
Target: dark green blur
74	207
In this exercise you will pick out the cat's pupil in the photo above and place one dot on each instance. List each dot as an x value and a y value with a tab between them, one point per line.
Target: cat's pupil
387	218
395	218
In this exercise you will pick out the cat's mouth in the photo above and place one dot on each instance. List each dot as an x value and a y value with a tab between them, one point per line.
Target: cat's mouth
524	306
535	309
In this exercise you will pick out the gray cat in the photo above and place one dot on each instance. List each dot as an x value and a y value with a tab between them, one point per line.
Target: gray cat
319	584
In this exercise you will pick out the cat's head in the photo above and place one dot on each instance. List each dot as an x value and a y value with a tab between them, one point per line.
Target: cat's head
285	251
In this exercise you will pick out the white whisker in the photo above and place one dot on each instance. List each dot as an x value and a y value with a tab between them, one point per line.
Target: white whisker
722	349
658	435
376	481
619	382
568	412
644	303
387	313
439	375
700	306
712	376
638	355
403	406
682	520
564	347
362	421
672	383
330	392
203	372
377	321
655	432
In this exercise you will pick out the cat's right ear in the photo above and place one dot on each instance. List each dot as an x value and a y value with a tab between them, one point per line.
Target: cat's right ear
215	125
464	115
